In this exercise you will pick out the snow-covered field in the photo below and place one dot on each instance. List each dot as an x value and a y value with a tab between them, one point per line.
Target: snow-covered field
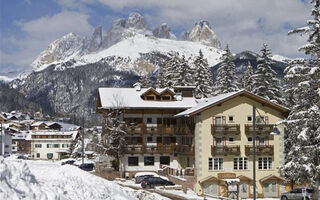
27	179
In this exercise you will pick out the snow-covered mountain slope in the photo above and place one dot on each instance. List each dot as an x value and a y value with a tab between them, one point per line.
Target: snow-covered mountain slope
281	58
5	79
138	45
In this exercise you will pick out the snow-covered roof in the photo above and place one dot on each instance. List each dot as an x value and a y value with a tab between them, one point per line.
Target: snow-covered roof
131	98
207	103
47	132
38	123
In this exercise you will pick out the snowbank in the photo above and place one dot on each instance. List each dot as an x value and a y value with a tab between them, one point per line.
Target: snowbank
20	179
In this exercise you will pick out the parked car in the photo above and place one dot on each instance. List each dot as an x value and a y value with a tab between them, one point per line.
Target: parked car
142	175
297	193
68	162
150	182
22	157
87	166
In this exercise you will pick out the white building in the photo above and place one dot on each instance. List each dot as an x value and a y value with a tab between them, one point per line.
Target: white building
51	144
5	141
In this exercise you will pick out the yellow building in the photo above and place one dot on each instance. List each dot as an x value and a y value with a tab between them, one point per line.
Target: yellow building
223	144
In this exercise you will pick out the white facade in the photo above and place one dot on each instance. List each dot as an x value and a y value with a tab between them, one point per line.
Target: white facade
47	145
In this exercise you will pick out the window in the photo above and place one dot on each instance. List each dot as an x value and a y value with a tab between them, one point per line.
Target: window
215	163
218	120
230	118
56	145
249	118
265	162
49	145
249	139
165	160
133	161
38	155
38	136
37	145
159	140
165	98
218	141
149	120
150	98
49	136
261	140
149	139
65	145
231	139
49	155
148	160
240	163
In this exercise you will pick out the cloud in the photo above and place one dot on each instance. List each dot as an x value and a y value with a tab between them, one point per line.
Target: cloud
40	32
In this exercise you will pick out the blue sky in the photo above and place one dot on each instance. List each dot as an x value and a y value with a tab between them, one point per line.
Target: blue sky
28	26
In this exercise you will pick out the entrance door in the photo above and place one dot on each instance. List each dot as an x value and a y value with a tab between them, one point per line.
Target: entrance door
244	190
211	189
270	189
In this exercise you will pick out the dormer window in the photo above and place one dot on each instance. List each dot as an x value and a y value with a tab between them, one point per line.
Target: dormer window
150	98
166	98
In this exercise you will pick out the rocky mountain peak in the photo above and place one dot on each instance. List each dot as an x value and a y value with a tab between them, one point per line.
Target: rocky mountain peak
203	33
163	31
96	39
135	20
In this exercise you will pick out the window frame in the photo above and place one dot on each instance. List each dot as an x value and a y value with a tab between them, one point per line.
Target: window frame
231	121
215	164
244	163
265	163
145	159
161	159
130	163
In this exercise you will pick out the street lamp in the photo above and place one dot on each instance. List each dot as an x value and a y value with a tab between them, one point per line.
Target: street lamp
275	131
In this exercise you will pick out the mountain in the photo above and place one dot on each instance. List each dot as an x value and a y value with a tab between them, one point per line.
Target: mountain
203	33
67	74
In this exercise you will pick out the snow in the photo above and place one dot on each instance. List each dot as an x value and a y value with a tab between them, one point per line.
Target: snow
6	79
27	179
280	58
134	46
109	97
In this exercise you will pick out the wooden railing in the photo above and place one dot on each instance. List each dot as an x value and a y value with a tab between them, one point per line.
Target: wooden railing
260	128
225	128
184	149
260	150
225	150
157	129
143	149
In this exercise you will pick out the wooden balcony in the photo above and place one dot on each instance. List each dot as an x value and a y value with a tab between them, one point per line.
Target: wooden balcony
225	150
184	149
143	149
260	128
260	150
157	129
225	129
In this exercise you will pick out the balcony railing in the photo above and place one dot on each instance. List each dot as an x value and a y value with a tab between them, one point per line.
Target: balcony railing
260	128
157	129
225	128
225	150
143	149
260	150
184	149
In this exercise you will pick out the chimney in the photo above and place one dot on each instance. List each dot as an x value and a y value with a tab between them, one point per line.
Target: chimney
137	86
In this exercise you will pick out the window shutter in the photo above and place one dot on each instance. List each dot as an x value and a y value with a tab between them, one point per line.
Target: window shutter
223	119
267	119
213	120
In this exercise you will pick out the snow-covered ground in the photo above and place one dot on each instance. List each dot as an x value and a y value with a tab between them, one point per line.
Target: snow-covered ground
48	180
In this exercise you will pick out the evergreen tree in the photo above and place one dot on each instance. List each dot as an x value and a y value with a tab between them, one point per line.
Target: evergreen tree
203	81
265	82
161	79
171	74
247	81
226	80
183	73
145	81
302	145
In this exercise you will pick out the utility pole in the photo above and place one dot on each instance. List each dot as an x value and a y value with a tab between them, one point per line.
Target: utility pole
254	149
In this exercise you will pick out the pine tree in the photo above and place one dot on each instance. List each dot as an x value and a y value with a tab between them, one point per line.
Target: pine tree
171	74
145	81
302	145
183	73
265	82
226	80
203	81
161	79
247	81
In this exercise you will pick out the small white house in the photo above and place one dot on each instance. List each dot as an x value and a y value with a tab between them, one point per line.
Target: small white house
6	142
48	144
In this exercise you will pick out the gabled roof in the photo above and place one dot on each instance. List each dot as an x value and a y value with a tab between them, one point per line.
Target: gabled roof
130	98
208	179
212	101
157	91
271	177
